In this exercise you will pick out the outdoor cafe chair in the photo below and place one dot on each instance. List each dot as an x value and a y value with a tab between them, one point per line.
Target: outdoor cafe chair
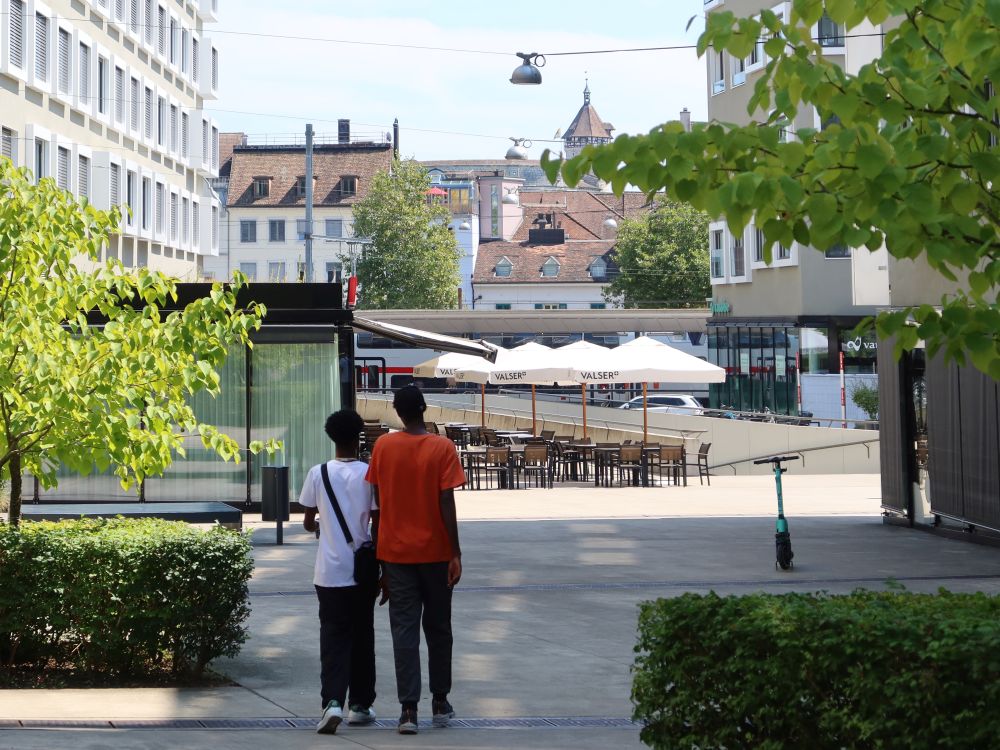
432	428
457	436
701	462
536	461
475	435
630	461
548	434
670	459
497	462
490	437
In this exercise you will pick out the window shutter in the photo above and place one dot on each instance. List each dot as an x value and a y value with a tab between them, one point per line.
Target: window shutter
41	47
162	31
149	113
84	71
83	179
215	148
7	143
17	33
64	60
184	134
134	114
62	168
173	216
133	16
215	68
173	127
196	223
185	220
115	184
119	10
215	227
148	20
204	140
194	60
119	95
185	44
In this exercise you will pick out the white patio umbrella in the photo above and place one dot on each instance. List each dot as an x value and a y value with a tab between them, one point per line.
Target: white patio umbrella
580	357
645	360
448	365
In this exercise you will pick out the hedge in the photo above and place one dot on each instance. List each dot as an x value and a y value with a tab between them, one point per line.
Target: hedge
865	670
122	597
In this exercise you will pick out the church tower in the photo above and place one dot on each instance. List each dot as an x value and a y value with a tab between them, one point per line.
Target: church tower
587	127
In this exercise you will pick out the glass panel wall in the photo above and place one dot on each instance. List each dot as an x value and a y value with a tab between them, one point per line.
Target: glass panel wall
760	365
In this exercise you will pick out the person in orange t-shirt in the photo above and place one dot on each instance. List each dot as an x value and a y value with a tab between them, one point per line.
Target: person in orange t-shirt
415	474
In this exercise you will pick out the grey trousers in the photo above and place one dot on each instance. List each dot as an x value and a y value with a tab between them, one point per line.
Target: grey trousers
420	592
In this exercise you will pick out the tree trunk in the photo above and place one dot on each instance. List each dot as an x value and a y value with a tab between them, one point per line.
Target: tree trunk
14	514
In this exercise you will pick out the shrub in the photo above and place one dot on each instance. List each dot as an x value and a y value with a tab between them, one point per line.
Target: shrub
866	670
120	597
865	397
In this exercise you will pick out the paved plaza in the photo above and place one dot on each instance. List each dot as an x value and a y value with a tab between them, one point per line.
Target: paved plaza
544	617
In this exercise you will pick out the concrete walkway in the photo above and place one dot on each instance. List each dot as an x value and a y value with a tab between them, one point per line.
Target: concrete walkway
544	617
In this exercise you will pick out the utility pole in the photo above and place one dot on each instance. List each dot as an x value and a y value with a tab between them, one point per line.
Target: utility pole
309	203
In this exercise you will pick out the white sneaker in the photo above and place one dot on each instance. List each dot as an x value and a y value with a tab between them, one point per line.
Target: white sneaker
358	715
333	714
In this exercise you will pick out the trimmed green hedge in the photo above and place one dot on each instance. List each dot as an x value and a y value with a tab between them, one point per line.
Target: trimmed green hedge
122	597
865	670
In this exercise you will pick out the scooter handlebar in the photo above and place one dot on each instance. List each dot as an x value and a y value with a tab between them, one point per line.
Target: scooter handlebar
776	459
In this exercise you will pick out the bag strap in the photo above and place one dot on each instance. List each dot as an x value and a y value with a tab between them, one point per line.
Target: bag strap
336	505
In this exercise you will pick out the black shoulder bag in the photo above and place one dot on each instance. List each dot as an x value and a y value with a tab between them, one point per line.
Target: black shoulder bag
365	564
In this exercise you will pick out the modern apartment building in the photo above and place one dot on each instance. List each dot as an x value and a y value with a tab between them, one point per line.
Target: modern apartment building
263	232
107	97
782	328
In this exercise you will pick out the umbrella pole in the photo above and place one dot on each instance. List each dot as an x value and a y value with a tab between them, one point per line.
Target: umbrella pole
645	415
533	430
482	405
583	392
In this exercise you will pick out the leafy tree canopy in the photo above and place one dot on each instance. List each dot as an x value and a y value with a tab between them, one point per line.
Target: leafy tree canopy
412	262
911	159
78	395
663	258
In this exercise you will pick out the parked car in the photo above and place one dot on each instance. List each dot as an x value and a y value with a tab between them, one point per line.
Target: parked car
669	403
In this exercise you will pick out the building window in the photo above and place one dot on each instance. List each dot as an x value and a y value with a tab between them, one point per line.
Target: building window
133	18
85	72
739	72
739	257
249	270
717	69
62	168
300	271
598	268
300	229
41	159
146	206
334	227
130	198
185	45
83	178
550	267
134	89
215	148
261	187
185	220
838	251
784	253
503	268
65	66
119	96
276	270
8	144
348	186
173	217
276	230
161	120
501	306
334	272
550	306
830	34
149	113
102	85
173	42
173	127
17	11
299	189
160	208
194	60
116	183
758	245
41	47
215	68
215	227
598	306
161	29
718	238
185	137
248	231
148	18
195	223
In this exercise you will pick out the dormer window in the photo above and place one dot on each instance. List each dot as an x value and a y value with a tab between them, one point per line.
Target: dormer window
300	187
550	267
598	268
503	268
261	187
348	186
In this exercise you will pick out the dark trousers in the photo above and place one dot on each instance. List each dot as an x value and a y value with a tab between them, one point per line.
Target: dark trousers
420	592
347	644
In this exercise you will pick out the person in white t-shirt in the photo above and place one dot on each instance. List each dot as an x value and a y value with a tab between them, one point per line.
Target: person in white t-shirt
346	611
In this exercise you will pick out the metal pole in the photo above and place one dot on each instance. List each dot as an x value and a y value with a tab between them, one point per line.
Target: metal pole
843	392
583	392
482	405
645	414
309	203
533	430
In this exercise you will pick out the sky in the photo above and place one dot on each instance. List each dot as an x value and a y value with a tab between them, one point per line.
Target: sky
451	105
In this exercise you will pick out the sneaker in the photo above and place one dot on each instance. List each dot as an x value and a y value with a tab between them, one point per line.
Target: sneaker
359	715
407	721
333	714
443	713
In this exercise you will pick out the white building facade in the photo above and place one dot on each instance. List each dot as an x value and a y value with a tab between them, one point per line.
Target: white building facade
107	98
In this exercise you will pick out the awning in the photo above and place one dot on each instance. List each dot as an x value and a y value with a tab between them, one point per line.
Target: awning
427	340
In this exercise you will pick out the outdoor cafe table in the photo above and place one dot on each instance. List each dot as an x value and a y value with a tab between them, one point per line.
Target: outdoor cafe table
604	466
474	454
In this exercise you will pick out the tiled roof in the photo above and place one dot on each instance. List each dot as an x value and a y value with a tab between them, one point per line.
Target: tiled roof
581	213
285	164
574	261
588	124
227	142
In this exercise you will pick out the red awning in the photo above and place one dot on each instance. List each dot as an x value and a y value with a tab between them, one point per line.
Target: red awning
436	191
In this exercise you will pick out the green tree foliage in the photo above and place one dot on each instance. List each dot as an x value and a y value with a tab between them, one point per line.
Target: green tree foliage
865	397
663	259
912	162
79	395
412	262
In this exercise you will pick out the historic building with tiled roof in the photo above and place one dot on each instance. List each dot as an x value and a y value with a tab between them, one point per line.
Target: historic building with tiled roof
587	128
264	231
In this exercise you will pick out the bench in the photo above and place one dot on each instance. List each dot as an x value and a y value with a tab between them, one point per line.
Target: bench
190	512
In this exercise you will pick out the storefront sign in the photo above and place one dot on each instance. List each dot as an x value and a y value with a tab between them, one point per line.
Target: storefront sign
719	307
859	345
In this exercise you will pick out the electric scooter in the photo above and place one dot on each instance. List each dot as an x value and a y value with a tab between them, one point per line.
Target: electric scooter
782	539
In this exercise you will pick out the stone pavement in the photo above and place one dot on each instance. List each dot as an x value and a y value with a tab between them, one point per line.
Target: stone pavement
544	617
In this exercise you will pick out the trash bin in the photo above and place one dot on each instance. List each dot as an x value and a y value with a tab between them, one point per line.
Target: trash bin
274	493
